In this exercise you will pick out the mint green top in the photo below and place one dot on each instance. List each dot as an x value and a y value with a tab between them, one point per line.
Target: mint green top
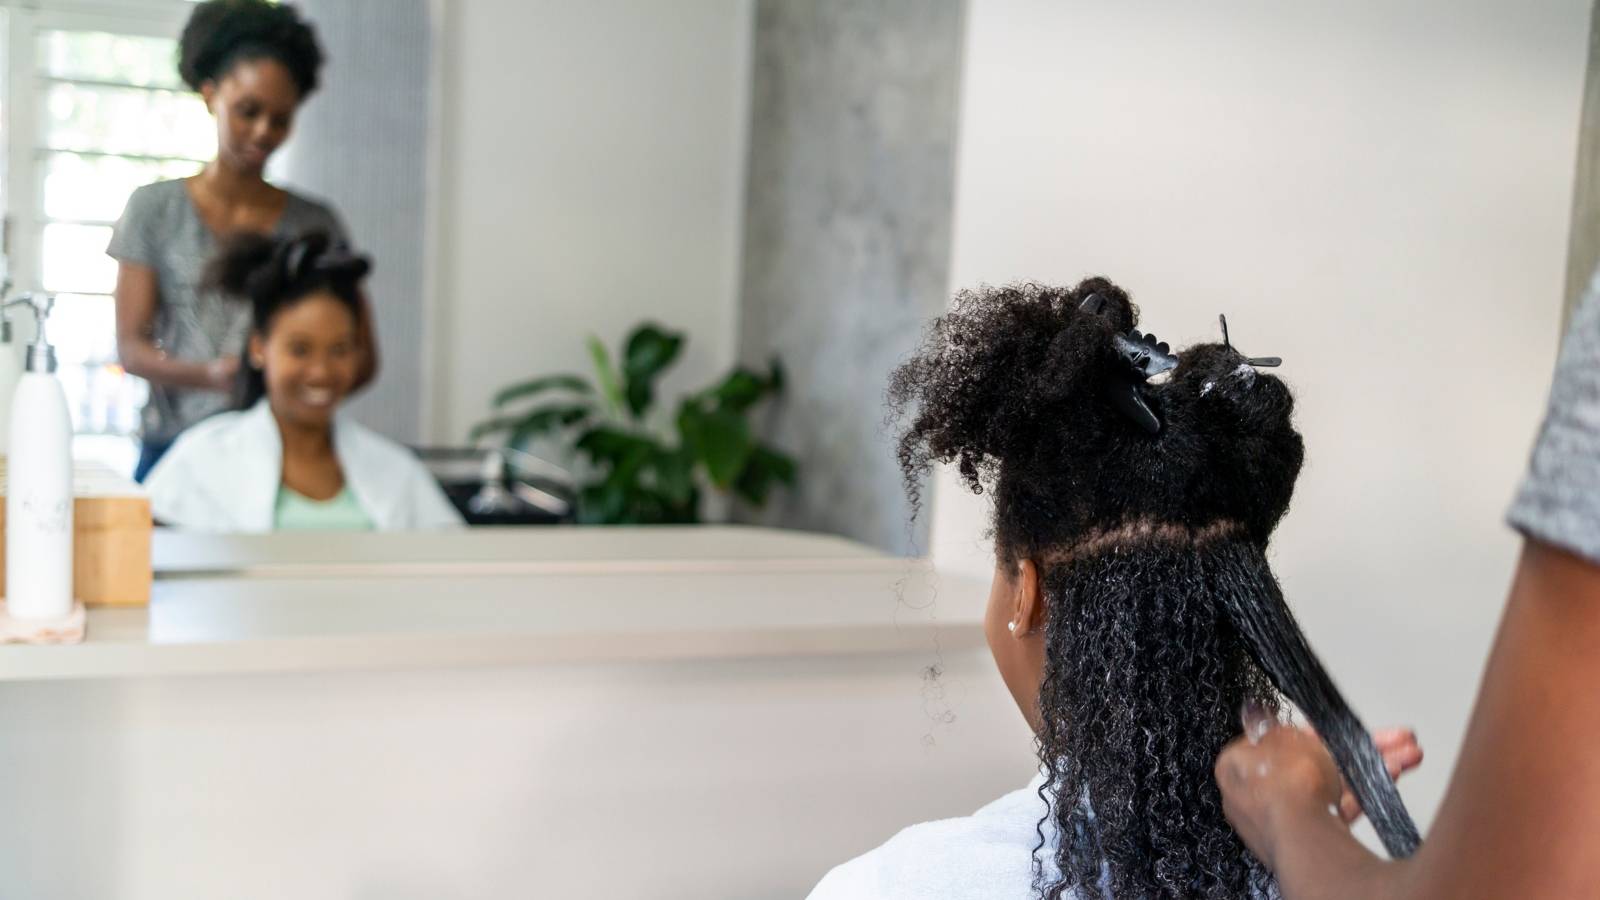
296	512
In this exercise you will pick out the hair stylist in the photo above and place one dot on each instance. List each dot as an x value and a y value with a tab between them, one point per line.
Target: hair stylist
1522	815
253	63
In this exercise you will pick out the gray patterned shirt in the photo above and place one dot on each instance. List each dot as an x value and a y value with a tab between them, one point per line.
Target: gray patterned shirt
160	228
1559	501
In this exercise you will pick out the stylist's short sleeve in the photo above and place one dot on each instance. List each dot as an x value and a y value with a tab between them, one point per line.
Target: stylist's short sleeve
136	237
1559	500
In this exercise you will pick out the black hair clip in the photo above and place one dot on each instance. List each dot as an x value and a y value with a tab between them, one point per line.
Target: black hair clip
294	258
1143	357
1259	361
339	260
314	253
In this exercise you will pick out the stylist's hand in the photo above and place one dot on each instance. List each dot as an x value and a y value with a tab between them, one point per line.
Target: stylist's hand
1248	789
1272	776
1401	753
222	373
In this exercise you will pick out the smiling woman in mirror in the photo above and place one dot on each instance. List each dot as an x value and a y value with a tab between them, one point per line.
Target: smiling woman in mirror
253	63
285	459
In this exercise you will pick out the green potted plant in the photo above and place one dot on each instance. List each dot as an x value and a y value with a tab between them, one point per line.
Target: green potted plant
639	474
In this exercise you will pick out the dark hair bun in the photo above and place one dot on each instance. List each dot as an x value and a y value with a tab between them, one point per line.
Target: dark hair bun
1007	371
222	32
242	267
273	272
1013	386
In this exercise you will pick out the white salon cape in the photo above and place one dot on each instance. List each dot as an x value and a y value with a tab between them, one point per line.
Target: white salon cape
985	856
223	475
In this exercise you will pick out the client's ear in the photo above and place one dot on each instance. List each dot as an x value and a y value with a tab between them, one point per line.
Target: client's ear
1029	599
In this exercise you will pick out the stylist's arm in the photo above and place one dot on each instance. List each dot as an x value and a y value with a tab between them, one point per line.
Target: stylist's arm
1522	815
1521	818
136	299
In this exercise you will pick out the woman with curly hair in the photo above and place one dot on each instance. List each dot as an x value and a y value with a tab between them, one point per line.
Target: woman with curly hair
285	459
1132	614
253	63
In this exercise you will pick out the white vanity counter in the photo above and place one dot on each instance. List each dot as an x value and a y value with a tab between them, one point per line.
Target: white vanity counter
489	714
531	549
308	602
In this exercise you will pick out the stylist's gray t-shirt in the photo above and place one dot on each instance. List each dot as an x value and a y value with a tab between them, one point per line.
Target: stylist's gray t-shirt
1559	501
161	229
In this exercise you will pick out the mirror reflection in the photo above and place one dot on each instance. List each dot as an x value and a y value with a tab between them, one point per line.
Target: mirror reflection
162	151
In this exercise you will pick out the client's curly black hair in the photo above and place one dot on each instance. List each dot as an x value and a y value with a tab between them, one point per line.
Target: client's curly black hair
1161	613
221	33
274	273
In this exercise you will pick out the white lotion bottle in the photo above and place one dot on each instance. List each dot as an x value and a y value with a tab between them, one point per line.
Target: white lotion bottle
39	484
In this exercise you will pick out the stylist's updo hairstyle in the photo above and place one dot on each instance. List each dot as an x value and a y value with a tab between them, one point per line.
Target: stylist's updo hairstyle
221	33
273	274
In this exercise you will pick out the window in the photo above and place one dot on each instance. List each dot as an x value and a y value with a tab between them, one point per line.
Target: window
94	109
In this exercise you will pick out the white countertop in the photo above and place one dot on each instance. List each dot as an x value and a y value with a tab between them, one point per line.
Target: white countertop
298	602
521	550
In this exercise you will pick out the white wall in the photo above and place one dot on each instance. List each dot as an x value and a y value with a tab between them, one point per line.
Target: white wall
1378	192
590	177
380	56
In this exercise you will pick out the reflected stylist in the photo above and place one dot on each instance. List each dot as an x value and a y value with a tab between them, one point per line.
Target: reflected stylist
253	63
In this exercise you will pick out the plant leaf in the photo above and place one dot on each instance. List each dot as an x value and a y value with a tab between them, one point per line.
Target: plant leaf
602	504
718	439
607	445
515	392
626	468
674	474
490	426
765	467
741	390
650	350
546	419
610	387
684	513
782	466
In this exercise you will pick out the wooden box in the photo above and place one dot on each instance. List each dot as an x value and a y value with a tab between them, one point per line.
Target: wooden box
111	529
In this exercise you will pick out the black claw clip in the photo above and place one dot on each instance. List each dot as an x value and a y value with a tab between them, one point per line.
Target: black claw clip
1143	357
